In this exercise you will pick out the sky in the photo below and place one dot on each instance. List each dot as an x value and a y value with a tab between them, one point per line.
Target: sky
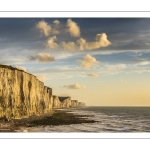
99	61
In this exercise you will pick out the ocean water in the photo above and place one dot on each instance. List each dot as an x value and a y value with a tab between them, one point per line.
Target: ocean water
110	119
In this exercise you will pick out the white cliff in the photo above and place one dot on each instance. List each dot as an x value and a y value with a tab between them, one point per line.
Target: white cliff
22	94
74	103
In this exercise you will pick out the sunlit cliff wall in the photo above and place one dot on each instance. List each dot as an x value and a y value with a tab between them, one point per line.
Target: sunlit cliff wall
22	94
56	102
61	102
65	102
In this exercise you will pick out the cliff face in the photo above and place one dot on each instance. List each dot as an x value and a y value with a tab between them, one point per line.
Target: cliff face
74	103
61	102
56	102
22	94
65	102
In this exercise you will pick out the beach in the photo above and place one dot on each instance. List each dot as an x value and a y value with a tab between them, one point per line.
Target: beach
57	118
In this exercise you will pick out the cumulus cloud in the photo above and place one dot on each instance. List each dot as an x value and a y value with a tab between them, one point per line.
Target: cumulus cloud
71	46
43	57
75	86
56	22
41	78
51	43
73	28
44	27
81	44
92	75
56	27
101	41
21	68
88	61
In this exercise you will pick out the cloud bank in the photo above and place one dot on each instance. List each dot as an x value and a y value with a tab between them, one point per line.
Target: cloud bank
43	57
73	29
80	45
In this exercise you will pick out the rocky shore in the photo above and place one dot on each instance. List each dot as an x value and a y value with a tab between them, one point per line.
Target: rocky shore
58	117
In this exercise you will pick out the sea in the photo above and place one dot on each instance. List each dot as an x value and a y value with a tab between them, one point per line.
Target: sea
109	120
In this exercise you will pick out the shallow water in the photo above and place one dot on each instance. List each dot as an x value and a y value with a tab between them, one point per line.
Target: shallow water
110	119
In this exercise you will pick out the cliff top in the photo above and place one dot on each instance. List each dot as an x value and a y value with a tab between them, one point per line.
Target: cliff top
14	68
9	67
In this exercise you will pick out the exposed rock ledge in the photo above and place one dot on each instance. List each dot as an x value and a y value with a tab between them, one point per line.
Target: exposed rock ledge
23	95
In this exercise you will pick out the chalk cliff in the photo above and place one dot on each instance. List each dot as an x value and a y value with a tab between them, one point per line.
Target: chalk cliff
61	102
81	104
23	95
74	103
56	102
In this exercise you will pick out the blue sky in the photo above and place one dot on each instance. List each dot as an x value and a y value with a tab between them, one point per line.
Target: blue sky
78	55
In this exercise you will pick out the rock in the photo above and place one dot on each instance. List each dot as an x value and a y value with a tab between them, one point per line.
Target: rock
22	94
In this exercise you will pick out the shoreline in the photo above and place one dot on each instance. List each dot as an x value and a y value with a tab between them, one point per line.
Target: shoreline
58	117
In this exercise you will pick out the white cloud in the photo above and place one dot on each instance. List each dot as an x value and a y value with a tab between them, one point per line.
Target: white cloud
51	43
75	86
88	61
56	27
71	46
21	68
56	22
41	78
92	75
44	27
73	28
101	41
43	57
81	44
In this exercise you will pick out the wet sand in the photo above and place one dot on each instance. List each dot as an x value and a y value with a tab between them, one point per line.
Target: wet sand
59	117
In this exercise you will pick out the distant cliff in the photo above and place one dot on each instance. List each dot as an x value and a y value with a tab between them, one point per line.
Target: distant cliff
23	95
66	102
